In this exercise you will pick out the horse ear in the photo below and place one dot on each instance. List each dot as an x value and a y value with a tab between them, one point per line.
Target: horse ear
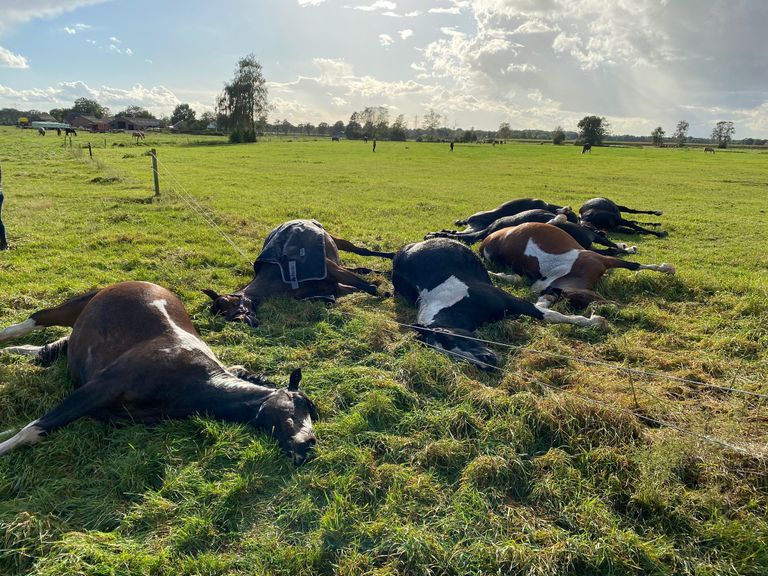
293	383
211	294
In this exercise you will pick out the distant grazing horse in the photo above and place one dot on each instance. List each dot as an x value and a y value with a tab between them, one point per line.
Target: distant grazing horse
605	214
70	132
300	259
41	131
554	262
709	149
135	356
586	148
335	139
138	134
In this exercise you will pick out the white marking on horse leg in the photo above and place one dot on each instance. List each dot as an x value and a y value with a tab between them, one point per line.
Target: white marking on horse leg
443	296
513	278
553	317
545	301
25	350
19	330
559	219
665	268
30	434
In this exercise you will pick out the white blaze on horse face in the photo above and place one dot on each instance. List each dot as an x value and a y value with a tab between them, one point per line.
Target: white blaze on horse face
186	340
443	296
551	266
19	330
305	433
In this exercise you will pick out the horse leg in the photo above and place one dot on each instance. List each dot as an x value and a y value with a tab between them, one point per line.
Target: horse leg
541	311
342	276
640	230
45	355
346	246
62	315
78	404
633	211
611	262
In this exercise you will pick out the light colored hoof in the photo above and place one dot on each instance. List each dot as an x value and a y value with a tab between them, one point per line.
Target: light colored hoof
667	269
632	250
599	322
559	219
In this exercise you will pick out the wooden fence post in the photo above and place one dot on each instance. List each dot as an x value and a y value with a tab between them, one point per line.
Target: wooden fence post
153	153
90	152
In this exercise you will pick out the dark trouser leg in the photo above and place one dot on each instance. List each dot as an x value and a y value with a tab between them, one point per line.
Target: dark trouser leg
3	239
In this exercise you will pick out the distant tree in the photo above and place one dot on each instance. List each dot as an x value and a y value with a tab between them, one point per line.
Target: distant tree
558	136
431	122
398	129
723	134
88	107
354	129
10	116
657	136
504	132
681	133
469	135
592	129
136	112
60	113
183	113
338	128
286	126
243	101
322	128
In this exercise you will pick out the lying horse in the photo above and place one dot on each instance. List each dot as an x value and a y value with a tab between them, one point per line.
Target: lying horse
556	264
134	355
455	296
301	259
482	220
605	214
585	234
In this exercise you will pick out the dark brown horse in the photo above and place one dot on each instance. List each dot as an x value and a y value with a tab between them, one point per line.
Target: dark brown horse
300	259
134	355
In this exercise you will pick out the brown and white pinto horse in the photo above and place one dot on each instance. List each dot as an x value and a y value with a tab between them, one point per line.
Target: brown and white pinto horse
555	263
307	243
134	355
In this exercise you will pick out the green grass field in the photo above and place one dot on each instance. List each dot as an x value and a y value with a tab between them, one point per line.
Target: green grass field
425	466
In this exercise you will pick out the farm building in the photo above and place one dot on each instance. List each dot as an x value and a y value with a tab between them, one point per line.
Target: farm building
90	123
128	123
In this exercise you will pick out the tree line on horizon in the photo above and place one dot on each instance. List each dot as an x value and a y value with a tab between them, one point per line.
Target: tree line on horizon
242	108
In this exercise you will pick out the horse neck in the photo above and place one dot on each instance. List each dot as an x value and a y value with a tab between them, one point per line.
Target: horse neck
227	397
267	281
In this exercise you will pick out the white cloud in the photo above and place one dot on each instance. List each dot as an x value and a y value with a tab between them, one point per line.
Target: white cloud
10	60
92	42
148	61
405	34
20	11
304	3
129	52
114	40
157	99
114	48
385	40
378	5
75	28
339	102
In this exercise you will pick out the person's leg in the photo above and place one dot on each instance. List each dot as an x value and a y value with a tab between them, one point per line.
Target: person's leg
3	239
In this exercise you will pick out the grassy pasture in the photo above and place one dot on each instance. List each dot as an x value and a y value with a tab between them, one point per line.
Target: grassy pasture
424	465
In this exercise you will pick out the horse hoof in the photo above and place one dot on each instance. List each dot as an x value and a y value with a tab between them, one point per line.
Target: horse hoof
599	322
667	269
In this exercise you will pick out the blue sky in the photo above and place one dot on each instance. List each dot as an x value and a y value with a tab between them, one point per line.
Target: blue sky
532	63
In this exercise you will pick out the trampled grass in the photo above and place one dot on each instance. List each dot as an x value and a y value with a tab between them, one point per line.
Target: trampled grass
425	466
